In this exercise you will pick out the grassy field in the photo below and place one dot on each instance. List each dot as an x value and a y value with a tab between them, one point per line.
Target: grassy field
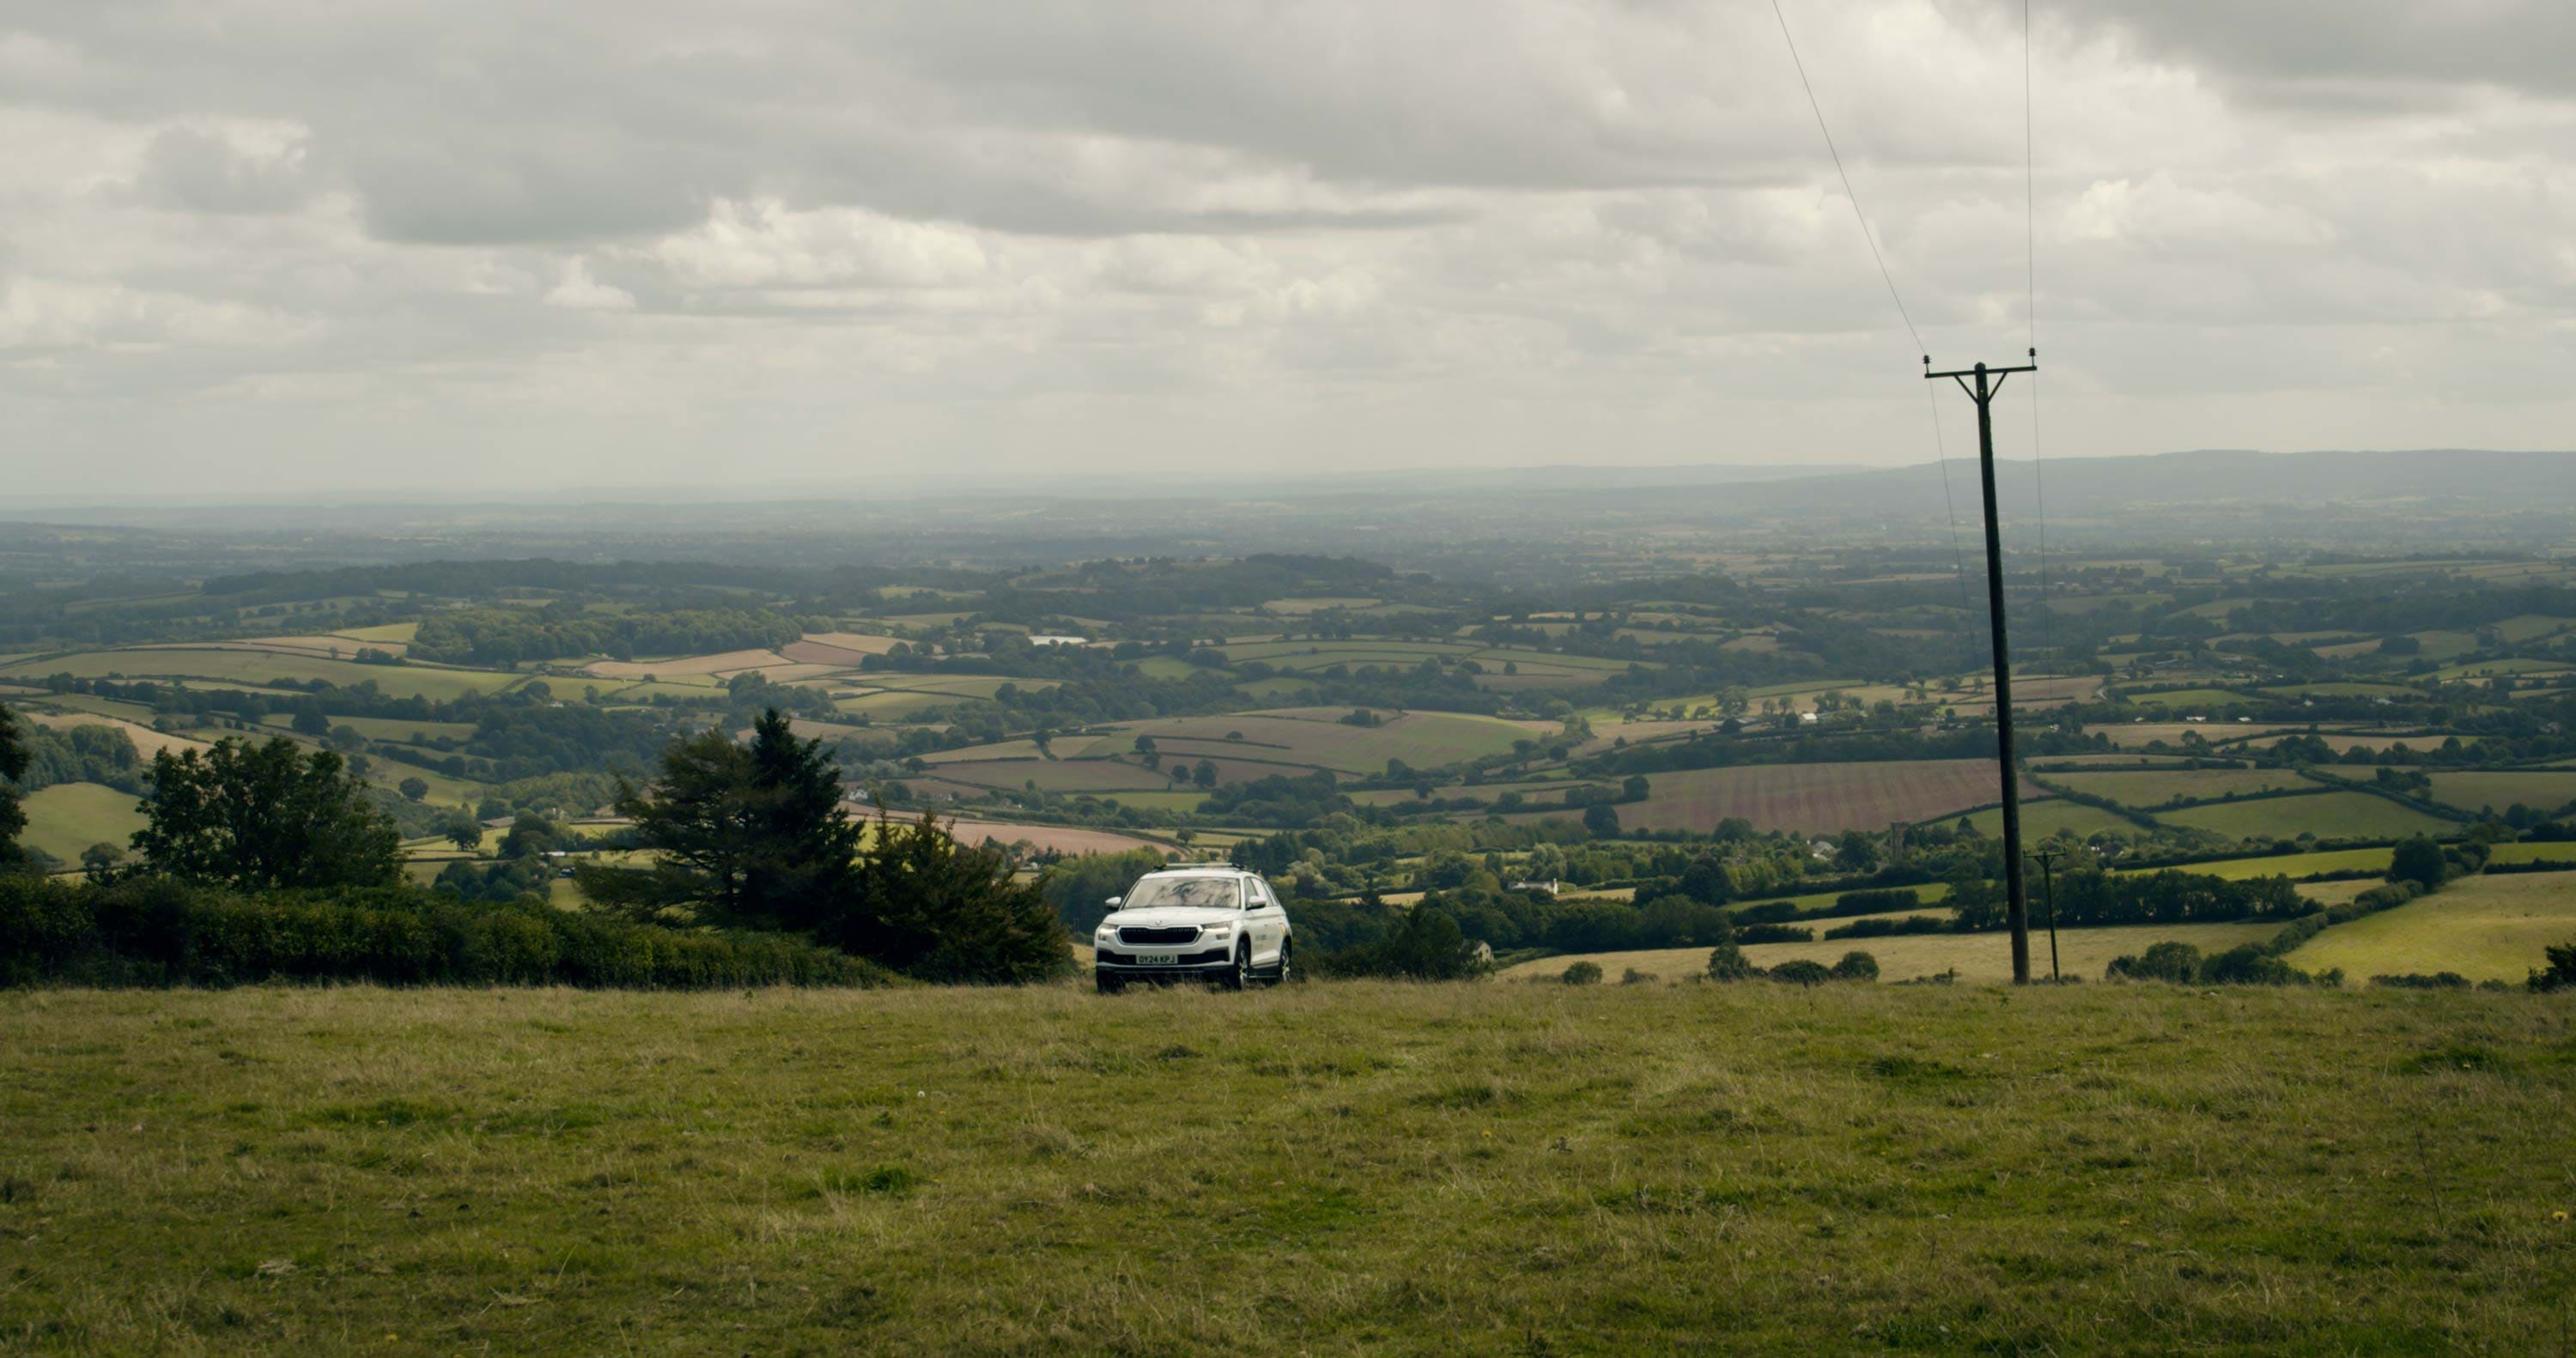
2293	864
2484	928
1356	1168
66	818
1976	957
2533	851
1815	798
2040	819
2147	789
2544	791
2336	815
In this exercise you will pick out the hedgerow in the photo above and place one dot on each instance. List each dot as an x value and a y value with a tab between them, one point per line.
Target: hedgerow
157	931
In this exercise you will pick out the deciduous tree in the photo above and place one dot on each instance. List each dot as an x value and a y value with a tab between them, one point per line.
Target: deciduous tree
264	817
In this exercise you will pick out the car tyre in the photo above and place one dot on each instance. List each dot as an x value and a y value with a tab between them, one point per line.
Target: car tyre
1239	976
1280	976
1108	984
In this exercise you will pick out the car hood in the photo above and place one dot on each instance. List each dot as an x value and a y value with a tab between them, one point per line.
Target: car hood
1171	916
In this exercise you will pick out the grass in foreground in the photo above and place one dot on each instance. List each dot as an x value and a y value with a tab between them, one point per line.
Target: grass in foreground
1333	1168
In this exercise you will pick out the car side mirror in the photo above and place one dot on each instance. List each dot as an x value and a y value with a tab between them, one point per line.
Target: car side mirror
1113	901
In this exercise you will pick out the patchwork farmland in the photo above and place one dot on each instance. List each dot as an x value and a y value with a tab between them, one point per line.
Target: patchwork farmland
1815	798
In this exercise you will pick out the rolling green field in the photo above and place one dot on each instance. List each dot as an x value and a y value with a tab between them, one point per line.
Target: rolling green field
2340	815
66	818
2146	789
1335	1168
2485	928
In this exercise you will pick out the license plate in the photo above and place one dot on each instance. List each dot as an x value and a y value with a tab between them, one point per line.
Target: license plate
1158	959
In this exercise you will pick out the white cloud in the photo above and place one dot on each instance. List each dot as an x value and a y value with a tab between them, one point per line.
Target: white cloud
1335	233
578	291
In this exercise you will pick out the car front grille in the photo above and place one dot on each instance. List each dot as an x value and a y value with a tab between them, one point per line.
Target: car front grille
1210	957
1141	937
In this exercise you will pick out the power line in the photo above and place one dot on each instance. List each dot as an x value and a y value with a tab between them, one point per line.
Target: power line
1940	445
1849	194
2030	284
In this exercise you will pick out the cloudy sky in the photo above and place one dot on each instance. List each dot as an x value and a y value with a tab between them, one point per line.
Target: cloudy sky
315	245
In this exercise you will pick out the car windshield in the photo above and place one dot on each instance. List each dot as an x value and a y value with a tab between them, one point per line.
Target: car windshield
1217	893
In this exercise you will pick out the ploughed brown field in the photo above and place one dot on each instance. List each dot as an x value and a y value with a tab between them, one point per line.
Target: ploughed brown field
1817	798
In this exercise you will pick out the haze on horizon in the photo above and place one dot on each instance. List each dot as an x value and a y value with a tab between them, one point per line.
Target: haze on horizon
335	249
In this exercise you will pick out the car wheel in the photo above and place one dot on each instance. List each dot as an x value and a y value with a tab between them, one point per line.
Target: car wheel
1109	985
1280	977
1240	974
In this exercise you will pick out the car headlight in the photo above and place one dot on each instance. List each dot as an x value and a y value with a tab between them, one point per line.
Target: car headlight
1216	933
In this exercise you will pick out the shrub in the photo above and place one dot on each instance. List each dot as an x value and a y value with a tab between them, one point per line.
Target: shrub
2179	962
2250	964
1801	972
1726	962
1856	966
1583	973
1773	912
2561	971
2440	980
1635	977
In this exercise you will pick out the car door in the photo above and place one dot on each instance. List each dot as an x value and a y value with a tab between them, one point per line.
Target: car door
1261	920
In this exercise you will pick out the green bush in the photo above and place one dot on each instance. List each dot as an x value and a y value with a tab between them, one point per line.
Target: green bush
159	931
2179	962
1856	966
1802	973
2560	974
1582	973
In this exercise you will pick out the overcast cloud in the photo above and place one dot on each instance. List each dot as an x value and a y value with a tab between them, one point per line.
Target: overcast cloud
277	245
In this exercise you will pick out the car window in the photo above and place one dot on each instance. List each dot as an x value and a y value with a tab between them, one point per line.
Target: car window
1259	891
1220	893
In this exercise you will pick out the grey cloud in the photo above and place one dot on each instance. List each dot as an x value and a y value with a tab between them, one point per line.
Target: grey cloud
2373	55
208	172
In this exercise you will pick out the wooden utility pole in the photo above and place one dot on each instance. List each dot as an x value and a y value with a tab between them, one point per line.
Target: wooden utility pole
2048	888
2016	896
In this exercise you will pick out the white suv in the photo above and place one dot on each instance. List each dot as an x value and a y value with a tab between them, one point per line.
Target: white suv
1219	924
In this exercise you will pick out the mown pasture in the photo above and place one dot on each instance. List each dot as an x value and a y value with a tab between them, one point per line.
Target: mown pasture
66	818
2486	928
2327	815
1351	1167
2543	790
